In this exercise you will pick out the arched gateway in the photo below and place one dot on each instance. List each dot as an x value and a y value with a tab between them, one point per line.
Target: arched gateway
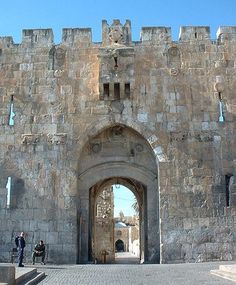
119	155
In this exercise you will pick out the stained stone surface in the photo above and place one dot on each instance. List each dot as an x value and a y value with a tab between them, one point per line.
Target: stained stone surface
157	114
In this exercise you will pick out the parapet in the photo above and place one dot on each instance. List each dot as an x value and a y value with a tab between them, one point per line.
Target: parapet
74	36
226	33
118	34
6	41
156	34
189	33
37	37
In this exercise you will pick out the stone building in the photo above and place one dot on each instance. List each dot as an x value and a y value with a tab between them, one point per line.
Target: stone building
126	238
156	115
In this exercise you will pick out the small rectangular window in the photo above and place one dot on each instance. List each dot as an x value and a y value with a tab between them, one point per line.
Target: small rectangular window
227	192
117	91
106	90
127	90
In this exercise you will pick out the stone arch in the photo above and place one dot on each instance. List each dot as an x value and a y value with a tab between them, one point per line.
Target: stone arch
115	160
150	136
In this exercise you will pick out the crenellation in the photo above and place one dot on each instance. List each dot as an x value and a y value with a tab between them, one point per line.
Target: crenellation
6	42
156	35
226	33
37	38
194	33
77	36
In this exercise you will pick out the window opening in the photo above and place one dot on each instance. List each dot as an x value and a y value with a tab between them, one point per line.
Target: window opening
12	114
116	60
227	192
221	109
127	90
117	91
8	186
106	90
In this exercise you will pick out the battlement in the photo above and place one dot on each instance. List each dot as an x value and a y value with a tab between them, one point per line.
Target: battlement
156	34
42	37
188	33
78	35
116	33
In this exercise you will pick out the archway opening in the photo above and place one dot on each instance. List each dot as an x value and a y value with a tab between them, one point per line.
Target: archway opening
111	231
116	155
119	246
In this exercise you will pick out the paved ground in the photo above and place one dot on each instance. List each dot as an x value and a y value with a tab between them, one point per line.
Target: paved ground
135	274
187	274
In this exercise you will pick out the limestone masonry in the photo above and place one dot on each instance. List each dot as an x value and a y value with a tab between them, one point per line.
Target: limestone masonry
156	115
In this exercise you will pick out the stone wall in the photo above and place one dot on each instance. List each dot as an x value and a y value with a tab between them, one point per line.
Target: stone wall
178	96
103	238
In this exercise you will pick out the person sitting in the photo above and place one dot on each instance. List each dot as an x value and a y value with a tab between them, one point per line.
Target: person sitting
39	250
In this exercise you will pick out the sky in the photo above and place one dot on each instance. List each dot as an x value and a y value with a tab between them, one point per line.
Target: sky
123	200
58	14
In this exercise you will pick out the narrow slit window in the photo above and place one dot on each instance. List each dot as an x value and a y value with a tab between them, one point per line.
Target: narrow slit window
227	192
117	91
11	114
221	109
8	186
127	90
106	91
116	62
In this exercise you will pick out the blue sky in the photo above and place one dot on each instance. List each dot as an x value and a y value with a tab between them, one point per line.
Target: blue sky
57	14
123	200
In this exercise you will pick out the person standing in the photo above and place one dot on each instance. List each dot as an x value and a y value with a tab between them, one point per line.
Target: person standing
21	246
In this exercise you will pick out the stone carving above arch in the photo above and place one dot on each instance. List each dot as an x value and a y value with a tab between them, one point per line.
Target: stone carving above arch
117	131
139	147
96	147
116	34
151	138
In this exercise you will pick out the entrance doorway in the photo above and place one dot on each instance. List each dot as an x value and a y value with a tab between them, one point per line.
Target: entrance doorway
117	155
119	246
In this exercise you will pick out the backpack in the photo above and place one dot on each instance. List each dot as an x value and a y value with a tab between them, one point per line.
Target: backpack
17	241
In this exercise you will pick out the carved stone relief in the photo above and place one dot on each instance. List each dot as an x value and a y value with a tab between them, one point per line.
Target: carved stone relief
30	139
173	58
57	138
116	34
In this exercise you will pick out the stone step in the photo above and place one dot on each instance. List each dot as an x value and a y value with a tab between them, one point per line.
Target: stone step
225	271
28	276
